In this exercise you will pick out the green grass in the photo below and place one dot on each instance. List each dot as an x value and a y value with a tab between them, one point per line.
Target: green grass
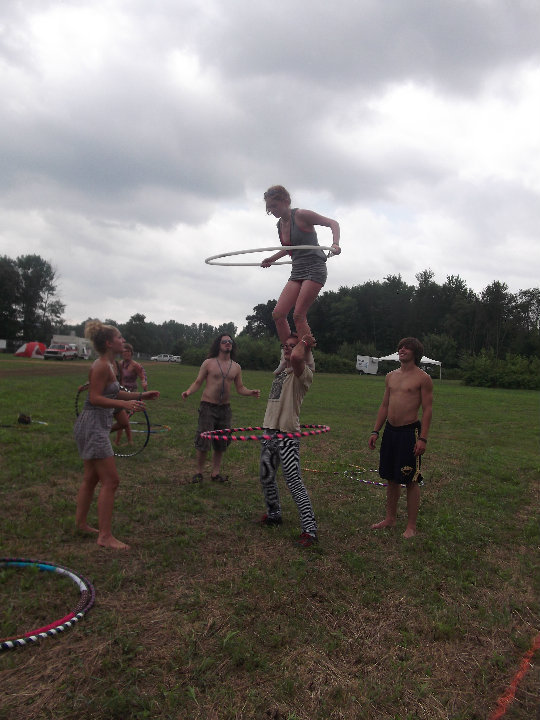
211	616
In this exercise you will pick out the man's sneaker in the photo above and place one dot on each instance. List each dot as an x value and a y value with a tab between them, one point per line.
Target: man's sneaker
307	540
197	478
267	520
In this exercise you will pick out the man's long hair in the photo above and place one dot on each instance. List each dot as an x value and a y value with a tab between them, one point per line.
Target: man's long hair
214	347
412	343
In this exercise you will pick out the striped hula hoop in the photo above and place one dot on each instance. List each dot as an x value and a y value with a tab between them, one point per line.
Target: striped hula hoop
86	600
231	433
211	260
352	475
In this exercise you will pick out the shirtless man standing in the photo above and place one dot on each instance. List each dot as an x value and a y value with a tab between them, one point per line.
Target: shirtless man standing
219	370
405	437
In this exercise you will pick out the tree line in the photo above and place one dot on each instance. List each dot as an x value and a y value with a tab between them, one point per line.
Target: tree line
454	323
450	319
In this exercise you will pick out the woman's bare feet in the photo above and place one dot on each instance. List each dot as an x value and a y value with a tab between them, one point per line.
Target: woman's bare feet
409	533
384	523
86	528
112	542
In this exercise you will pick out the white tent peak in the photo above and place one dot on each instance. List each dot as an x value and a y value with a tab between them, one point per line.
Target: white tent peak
424	361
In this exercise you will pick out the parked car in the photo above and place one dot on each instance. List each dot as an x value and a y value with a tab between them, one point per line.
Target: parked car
59	351
176	358
164	357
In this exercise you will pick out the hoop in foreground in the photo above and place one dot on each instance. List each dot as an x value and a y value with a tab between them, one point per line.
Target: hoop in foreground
210	260
86	601
230	433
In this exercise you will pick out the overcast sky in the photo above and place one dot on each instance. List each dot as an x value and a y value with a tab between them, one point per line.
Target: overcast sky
138	138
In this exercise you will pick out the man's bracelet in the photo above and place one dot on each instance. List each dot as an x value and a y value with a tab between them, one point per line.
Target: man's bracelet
140	396
375	432
423	439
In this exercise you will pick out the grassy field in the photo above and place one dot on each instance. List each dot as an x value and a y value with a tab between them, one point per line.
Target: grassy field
210	616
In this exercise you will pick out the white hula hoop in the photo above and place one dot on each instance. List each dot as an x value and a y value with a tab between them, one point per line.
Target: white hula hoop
210	260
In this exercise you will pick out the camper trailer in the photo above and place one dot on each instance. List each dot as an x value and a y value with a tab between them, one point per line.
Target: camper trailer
367	365
83	346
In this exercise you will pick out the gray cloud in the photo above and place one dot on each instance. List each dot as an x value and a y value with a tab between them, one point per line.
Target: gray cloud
138	139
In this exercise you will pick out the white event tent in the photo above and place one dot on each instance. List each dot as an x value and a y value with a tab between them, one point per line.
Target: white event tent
425	361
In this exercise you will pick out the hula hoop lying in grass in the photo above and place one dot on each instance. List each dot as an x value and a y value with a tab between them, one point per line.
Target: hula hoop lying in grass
211	260
230	433
359	471
86	600
141	428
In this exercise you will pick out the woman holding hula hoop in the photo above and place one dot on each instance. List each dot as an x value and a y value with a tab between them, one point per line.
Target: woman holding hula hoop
308	276
120	416
129	371
92	429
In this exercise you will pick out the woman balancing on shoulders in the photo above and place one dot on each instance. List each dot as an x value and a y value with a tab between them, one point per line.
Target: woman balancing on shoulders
308	276
92	429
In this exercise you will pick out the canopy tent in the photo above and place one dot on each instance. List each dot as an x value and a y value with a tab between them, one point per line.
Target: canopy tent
424	361
31	350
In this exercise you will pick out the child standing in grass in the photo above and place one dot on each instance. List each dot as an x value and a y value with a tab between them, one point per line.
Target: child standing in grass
92	429
405	437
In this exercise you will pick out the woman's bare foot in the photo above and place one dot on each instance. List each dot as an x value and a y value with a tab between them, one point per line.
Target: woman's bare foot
86	528
384	523
112	542
410	532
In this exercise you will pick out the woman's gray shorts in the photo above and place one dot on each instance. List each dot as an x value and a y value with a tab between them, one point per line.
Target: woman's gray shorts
309	267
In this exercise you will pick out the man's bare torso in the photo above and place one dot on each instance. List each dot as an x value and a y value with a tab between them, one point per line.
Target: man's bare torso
405	395
219	376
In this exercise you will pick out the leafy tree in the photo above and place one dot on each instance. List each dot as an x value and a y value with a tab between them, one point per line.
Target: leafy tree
227	329
136	332
29	307
261	323
440	347
10	289
461	313
36	297
427	305
495	314
526	323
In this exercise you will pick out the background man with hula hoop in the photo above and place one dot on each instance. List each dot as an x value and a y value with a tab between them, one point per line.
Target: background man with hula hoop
218	371
282	415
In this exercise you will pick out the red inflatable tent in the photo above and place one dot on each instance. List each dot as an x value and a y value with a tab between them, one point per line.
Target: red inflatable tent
31	350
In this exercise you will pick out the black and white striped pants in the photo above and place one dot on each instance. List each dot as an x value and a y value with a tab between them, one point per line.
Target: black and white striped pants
286	451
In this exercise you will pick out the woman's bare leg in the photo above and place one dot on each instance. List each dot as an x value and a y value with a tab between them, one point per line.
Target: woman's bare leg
85	495
286	301
306	297
109	479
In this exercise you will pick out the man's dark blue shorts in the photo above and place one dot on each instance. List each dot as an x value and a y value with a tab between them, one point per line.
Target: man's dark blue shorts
398	463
